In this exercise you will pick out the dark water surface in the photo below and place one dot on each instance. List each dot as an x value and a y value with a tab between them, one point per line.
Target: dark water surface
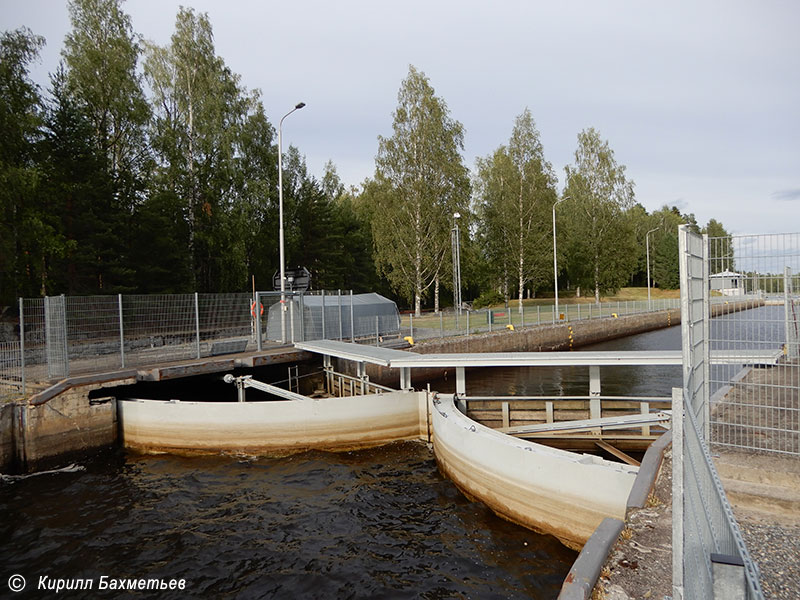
381	523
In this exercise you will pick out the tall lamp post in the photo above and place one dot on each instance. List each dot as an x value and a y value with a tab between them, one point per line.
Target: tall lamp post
298	106
647	243
555	258
456	264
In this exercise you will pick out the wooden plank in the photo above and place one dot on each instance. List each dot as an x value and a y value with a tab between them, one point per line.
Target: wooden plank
618	453
506	419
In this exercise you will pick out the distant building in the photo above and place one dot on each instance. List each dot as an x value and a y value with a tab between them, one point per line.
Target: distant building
728	283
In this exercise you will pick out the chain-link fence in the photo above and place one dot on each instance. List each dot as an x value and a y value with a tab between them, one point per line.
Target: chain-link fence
451	323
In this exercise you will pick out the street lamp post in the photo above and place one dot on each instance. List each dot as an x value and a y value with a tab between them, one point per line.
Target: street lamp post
298	106
647	243
555	258
456	264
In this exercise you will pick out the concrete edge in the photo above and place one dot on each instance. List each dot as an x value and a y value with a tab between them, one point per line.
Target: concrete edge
71	382
648	471
583	575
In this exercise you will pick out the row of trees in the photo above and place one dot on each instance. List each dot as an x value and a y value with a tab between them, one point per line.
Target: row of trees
147	168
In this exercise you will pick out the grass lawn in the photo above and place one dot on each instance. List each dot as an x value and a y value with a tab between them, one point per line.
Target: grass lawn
624	295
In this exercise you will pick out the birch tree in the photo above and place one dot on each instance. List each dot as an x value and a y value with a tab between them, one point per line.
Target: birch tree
101	53
420	181
600	238
516	190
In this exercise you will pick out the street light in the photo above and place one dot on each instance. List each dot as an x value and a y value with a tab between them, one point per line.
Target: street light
647	243
456	264
298	106
555	259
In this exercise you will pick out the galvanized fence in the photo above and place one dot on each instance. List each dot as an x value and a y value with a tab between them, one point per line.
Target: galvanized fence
69	335
706	538
756	407
450	323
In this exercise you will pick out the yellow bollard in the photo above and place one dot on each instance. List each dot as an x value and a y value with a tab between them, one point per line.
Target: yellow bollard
409	339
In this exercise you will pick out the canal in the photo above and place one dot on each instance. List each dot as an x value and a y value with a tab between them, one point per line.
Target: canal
381	523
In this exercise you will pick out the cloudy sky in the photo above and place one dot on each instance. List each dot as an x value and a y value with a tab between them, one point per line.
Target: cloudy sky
699	99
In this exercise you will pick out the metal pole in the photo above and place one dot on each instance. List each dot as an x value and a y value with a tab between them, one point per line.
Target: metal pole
411	321
647	243
298	106
377	332
257	310
22	343
352	320
323	314
555	258
197	321
291	318
302	318
456	265
441	324
121	333
341	333
467	322
66	341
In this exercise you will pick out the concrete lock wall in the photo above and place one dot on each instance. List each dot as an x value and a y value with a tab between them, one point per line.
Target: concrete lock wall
7	437
36	436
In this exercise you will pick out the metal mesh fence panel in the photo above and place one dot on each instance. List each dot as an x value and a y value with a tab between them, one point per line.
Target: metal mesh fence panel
32	323
756	404
703	522
448	323
708	525
10	370
158	328
92	333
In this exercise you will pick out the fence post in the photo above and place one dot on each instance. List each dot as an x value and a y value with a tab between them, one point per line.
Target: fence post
352	320
791	345
441	323
538	315
341	333
291	316
489	318
197	320
323	314
121	333
302	317
467	322
411	325
377	332
677	493
257	311
22	343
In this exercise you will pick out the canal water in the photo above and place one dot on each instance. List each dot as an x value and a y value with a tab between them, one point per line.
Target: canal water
381	523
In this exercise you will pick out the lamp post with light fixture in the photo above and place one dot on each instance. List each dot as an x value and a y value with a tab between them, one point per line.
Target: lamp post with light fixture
555	258
456	264
298	106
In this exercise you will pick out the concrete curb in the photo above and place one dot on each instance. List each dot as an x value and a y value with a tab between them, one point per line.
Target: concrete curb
585	571
648	471
580	580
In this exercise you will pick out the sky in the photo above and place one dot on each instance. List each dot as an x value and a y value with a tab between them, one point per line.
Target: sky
700	100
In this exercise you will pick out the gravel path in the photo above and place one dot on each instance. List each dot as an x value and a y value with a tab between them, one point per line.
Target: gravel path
774	544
